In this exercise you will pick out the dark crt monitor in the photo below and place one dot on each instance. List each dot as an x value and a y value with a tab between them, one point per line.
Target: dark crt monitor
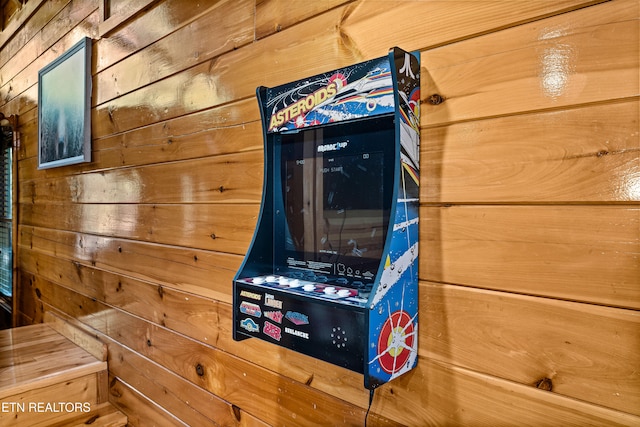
336	194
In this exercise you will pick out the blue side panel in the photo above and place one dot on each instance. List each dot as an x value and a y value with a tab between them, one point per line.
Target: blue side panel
393	320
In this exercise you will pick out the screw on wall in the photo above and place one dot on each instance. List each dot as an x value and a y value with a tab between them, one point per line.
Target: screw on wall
435	99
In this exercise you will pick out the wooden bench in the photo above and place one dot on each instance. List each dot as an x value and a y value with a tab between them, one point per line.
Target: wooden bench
47	379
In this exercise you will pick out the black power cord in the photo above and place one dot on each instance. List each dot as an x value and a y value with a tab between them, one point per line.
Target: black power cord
366	417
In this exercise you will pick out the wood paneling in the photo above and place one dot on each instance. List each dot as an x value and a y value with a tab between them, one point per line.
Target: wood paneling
274	16
582	155
537	250
218	227
229	377
147	340
552	64
201	272
233	178
200	41
581	350
47	48
530	231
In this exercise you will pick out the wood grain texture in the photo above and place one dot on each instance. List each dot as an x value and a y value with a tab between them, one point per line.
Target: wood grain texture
138	408
40	367
87	342
84	19
201	272
536	250
273	16
520	338
402	392
228	129
215	83
231	378
423	25
582	155
549	65
233	178
102	415
200	41
205	320
219	227
582	350
484	400
79	389
144	29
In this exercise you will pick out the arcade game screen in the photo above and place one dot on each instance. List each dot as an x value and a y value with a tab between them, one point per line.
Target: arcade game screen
336	199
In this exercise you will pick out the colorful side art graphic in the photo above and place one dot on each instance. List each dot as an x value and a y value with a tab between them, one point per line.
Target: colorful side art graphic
393	330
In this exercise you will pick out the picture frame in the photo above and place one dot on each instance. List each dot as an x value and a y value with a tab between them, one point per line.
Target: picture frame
64	108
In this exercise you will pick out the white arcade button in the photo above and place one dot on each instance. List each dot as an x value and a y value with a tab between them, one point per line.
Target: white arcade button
294	283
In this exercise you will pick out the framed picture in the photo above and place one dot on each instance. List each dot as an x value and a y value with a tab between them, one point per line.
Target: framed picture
64	108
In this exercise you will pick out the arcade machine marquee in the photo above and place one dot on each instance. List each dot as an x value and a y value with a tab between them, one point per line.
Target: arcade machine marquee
332	271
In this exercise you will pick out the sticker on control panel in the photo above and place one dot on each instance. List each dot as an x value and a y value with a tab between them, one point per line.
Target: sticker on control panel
251	309
249	325
276	316
251	295
297	318
297	333
271	301
272	330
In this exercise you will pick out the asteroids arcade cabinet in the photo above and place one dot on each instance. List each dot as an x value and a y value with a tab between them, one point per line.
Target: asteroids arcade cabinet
332	271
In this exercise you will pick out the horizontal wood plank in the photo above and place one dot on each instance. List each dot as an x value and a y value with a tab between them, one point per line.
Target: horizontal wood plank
21	16
67	398
61	40
87	342
203	39
423	25
582	351
581	253
526	247
587	56
32	39
582	155
231	378
101	415
200	272
36	356
521	338
544	339
202	319
424	398
220	227
228	129
183	399
215	83
138	408
233	178
274	16
530	220
116	14
118	43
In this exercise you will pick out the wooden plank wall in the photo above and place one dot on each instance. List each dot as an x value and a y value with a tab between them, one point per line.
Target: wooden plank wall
530	221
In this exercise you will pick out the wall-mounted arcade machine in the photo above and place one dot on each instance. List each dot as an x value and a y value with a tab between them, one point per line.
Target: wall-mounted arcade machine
332	271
